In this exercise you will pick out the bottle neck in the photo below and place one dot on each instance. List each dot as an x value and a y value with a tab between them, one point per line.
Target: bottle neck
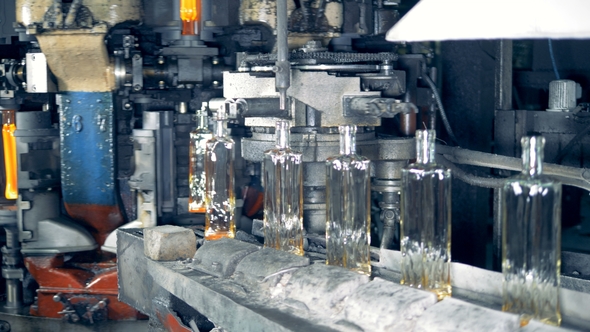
282	134
425	141
202	121
347	139
532	155
220	128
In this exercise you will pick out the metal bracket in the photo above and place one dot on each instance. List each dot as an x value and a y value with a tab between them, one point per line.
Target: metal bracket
377	107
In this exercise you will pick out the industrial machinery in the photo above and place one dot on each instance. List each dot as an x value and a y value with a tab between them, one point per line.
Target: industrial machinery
105	93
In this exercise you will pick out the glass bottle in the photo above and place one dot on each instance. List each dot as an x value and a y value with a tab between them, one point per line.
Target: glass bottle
10	157
219	182
425	230
283	195
348	206
531	239
198	139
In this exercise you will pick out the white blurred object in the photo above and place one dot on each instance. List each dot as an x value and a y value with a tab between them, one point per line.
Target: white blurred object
110	244
434	20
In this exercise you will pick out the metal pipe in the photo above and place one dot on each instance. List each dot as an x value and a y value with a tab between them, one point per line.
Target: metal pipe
282	67
577	177
441	109
471	179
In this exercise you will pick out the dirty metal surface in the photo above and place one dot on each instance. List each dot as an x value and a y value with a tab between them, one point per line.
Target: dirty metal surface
88	160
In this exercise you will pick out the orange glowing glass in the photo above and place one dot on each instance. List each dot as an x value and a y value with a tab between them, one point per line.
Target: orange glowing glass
190	15
8	128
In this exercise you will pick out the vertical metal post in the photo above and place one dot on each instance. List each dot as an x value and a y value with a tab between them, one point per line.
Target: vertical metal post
503	83
282	66
503	98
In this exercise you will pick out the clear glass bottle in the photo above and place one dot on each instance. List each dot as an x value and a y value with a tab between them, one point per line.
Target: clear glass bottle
219	182
283	195
425	230
348	206
198	139
531	239
10	157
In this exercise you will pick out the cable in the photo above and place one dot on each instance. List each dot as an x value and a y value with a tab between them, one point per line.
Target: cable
571	144
471	179
553	59
441	109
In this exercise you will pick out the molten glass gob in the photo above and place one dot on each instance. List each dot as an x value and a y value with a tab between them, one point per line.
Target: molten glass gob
425	231
531	239
198	140
190	15
348	206
10	156
219	183
283	195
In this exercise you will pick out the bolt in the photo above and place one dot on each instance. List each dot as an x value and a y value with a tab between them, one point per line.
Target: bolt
136	57
161	60
136	87
24	85
102	304
388	214
161	84
57	297
127	106
215	61
75	318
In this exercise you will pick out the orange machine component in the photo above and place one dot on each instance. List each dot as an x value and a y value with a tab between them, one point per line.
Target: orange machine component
190	14
82	292
10	164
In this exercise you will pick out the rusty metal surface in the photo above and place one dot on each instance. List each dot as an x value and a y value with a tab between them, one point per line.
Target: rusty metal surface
85	292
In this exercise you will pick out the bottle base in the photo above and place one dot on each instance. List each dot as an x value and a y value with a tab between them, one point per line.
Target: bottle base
441	293
363	269
219	235
197	210
525	319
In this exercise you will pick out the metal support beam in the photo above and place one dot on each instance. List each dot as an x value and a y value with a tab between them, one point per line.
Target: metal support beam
503	97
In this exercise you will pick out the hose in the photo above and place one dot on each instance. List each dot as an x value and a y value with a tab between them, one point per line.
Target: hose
471	179
441	109
572	176
552	58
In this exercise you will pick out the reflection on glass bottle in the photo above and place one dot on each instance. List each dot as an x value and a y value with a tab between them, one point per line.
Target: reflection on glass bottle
531	239
198	139
10	162
283	195
219	182
426	221
348	206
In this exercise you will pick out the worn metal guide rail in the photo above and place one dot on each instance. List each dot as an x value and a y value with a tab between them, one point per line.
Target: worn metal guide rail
241	287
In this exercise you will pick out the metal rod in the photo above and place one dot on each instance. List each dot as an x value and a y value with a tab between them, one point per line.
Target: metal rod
503	71
282	67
